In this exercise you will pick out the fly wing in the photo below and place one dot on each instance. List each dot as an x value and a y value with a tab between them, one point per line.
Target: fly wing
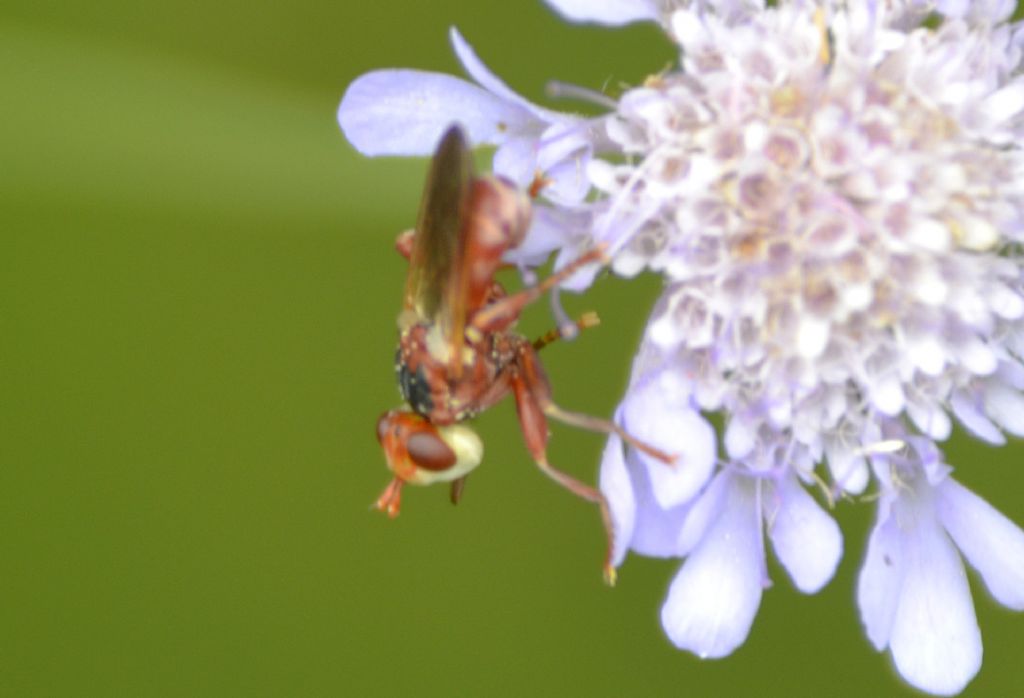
435	263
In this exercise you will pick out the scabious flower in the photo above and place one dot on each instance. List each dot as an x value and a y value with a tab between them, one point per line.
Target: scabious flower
834	195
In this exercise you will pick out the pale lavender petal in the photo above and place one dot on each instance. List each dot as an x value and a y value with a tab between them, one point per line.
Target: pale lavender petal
735	10
704	511
887	395
992	543
714	598
581	280
618	490
492	83
848	466
552	229
563	141
881	578
1006	407
806	539
979	10
953	8
404	112
935	641
516	159
739	439
608	12
1011	373
659	413
975	421
562	155
567	183
931	419
1004	104
656	529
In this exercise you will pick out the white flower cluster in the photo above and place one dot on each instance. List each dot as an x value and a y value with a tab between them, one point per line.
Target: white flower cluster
834	194
837	207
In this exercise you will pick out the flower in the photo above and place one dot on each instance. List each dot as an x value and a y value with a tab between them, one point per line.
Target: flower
834	195
405	112
913	592
841	240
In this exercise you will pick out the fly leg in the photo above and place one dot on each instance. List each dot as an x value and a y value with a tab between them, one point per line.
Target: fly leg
390	501
588	319
502	313
535	432
533	374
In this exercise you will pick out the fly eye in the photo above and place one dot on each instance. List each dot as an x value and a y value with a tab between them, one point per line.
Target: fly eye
429	451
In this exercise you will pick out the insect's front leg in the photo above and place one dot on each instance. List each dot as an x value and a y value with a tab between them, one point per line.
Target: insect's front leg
530	368
502	314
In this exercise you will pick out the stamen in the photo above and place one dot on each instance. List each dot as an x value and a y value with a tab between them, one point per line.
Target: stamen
566	327
629	187
564	90
825	48
879	448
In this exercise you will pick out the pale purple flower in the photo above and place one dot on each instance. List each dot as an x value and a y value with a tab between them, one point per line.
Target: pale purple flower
404	112
839	218
834	194
913	592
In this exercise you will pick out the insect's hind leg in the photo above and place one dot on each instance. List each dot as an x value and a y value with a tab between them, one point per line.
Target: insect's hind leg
535	432
590	494
499	315
591	423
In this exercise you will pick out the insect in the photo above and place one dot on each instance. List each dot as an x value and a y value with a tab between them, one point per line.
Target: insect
457	352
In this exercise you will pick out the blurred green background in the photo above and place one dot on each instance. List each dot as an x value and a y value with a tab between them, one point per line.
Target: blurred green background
197	299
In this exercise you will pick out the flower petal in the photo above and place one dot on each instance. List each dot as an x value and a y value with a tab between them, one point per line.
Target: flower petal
550	229
887	395
618	490
658	412
953	8
581	280
1006	407
806	539
517	160
567	182
848	466
740	438
712	601
935	641
992	543
608	12
974	420
492	83
563	153
404	112
881	578
656	529
982	11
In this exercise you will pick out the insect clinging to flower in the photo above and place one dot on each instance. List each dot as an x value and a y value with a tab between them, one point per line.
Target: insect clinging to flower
457	352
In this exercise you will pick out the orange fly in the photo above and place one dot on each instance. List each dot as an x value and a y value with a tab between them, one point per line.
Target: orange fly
457	354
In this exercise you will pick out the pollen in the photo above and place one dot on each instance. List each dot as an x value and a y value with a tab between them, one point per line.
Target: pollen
788	101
